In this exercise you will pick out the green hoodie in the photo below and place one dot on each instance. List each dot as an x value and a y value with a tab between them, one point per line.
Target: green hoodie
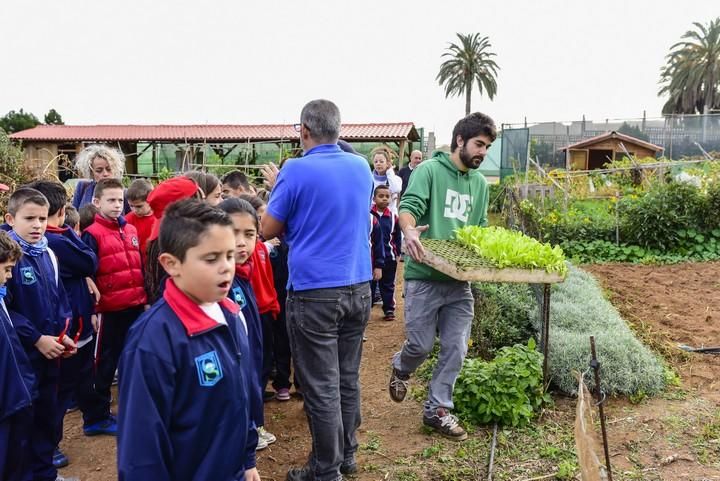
445	198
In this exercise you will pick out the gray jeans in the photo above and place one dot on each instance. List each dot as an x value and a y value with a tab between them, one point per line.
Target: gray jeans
326	329
445	307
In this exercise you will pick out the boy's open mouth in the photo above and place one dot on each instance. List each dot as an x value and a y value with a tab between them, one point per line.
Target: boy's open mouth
224	285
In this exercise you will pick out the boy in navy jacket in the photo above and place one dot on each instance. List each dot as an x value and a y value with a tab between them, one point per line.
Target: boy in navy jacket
185	370
16	378
77	263
391	241
40	313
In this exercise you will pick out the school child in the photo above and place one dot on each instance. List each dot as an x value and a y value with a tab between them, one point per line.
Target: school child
77	263
39	310
166	192
246	224
142	214
119	279
390	235
72	218
235	183
281	356
87	216
186	369
16	378
263	285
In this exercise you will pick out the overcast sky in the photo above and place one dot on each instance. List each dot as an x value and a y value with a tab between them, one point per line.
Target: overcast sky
162	61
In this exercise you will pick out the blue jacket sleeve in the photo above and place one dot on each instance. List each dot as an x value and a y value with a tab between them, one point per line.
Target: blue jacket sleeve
80	189
378	247
251	447
88	239
26	330
145	400
75	257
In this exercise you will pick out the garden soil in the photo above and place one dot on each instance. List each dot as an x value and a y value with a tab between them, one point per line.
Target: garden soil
682	302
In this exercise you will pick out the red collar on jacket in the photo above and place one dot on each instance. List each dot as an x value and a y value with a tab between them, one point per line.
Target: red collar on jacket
192	317
56	230
386	213
111	224
244	271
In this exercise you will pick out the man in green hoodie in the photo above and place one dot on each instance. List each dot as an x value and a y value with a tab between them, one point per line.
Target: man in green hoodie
446	192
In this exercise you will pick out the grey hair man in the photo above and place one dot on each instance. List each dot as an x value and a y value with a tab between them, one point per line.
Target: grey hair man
328	303
415	158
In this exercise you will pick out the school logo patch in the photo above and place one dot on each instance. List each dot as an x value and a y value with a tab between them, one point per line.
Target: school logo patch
209	369
239	297
135	241
27	275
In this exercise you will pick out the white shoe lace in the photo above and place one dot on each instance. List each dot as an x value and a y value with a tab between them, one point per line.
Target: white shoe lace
449	420
397	383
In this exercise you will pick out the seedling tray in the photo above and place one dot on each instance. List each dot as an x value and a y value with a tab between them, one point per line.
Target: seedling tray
459	262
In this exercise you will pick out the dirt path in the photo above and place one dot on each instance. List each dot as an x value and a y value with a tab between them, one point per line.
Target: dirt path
670	438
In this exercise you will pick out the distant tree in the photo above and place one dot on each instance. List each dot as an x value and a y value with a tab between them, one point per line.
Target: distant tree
469	62
16	121
633	131
691	77
53	118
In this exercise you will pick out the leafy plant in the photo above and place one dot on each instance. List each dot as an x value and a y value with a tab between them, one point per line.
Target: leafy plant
507	390
507	248
502	317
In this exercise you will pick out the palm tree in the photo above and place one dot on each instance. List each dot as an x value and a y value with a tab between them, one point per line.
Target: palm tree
469	62
691	77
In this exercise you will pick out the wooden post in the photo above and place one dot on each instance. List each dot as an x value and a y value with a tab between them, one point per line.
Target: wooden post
401	153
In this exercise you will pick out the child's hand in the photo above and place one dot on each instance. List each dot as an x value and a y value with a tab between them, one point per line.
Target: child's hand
252	475
49	347
270	173
70	347
377	274
95	322
93	289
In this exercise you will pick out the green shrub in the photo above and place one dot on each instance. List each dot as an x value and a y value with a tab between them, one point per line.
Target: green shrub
578	310
502	317
655	219
507	390
711	215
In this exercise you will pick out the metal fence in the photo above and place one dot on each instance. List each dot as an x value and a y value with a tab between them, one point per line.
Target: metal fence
679	135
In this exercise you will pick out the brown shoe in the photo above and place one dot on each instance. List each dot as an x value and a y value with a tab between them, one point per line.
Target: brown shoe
398	386
446	424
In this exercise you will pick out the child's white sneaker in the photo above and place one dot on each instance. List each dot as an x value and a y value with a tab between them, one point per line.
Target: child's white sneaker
268	437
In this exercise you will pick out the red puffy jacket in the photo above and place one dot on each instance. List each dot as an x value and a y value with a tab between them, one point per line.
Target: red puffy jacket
119	276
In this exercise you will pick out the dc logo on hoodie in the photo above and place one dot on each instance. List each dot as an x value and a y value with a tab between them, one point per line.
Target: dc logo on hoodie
27	276
457	206
209	369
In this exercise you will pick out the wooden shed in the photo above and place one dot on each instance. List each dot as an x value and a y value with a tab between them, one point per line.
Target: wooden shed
595	152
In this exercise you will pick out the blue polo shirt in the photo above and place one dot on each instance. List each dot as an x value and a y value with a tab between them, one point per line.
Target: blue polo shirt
323	198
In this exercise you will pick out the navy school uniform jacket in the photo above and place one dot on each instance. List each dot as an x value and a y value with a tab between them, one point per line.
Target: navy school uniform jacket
76	261
241	293
36	300
377	247
17	377
390	230
183	402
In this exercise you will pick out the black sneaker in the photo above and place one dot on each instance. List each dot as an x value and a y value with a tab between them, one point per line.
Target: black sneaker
398	386
300	474
446	424
349	467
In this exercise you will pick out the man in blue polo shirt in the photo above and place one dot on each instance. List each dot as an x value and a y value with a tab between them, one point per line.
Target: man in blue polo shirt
321	201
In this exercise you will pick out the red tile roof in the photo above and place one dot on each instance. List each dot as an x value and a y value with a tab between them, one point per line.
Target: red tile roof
614	135
205	133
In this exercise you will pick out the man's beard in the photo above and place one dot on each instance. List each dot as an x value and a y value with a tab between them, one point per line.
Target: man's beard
470	162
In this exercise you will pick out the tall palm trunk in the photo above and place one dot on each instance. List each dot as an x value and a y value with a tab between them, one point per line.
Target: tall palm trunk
468	93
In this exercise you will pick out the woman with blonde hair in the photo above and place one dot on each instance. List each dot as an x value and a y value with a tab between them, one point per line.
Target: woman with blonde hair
383	174
94	163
